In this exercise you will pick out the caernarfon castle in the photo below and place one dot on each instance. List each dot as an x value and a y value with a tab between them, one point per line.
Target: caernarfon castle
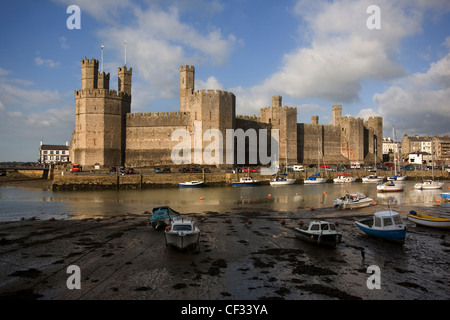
107	133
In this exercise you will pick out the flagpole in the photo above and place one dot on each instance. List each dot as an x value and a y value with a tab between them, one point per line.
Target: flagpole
102	60
125	52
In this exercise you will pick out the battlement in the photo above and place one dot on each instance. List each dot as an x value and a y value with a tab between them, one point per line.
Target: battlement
187	68
157	119
251	118
285	108
124	69
352	119
211	92
100	93
87	61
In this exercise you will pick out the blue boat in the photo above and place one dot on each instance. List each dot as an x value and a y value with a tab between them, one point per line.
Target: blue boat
245	182
315	178
161	217
387	225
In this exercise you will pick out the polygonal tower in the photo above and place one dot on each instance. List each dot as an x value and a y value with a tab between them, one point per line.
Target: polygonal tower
100	115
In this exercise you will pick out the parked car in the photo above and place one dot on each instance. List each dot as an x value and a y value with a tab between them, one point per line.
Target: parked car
166	170
122	170
157	170
131	171
112	170
2	173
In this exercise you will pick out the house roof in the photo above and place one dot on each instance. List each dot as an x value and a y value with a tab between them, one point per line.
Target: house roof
54	147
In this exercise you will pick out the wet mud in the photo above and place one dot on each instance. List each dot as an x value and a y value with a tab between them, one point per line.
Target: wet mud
250	255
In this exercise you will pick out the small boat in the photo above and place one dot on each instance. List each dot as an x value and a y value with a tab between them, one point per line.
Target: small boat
246	181
314	179
397	177
429	221
372	178
352	201
161	217
191	184
445	196
182	233
390	186
428	185
344	179
279	181
387	225
323	233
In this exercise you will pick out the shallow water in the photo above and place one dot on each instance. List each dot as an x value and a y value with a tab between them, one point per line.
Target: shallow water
17	202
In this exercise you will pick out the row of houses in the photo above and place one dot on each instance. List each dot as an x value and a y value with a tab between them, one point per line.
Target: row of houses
419	149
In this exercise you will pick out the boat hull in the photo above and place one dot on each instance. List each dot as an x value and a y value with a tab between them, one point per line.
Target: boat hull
245	184
326	240
191	184
182	240
282	182
394	235
429	221
354	204
315	181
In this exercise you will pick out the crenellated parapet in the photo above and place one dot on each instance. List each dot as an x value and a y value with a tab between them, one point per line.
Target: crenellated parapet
157	119
101	93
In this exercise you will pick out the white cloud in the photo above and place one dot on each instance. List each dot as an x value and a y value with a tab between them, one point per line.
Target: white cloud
419	104
4	72
46	62
210	83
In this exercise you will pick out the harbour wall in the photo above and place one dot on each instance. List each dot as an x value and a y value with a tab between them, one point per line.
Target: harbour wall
73	182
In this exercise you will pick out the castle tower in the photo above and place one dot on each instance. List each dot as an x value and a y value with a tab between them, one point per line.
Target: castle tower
285	120
100	117
314	119
124	79
337	114
187	80
89	74
373	139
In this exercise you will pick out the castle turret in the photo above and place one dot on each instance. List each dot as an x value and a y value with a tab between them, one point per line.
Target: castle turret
187	80
337	114
124	79
314	119
89	73
103	81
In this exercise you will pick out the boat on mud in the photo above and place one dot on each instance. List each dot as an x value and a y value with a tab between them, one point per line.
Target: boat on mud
322	233
387	225
182	233
429	221
161	217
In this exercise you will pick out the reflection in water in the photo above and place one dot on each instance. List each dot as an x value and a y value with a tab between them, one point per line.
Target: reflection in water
22	202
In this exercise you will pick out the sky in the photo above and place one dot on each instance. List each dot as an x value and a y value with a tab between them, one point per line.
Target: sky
315	54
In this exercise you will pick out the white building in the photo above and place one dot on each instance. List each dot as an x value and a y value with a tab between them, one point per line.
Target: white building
419	158
390	146
50	153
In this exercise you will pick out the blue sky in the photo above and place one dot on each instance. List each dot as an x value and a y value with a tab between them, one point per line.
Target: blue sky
313	53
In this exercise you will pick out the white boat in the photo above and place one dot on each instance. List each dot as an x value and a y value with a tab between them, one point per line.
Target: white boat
314	179
246	181
191	184
372	178
182	233
386	225
352	201
323	233
279	181
429	221
344	179
397	177
428	185
390	186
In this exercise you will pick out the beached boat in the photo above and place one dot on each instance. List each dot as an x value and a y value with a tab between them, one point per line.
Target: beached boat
387	225
246	181
323	233
182	233
445	196
372	178
428	185
280	181
352	201
429	221
390	186
314	179
191	184
161	217
344	179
